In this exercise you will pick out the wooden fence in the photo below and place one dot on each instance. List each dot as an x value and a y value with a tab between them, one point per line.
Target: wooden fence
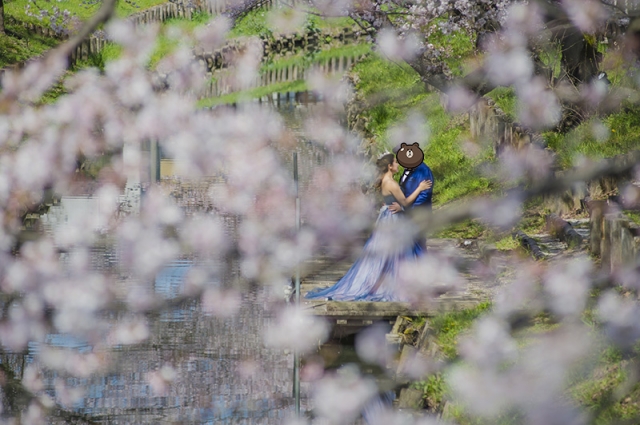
160	13
226	80
218	59
614	238
488	122
629	7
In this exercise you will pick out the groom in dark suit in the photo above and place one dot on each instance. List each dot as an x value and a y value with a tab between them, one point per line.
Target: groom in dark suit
411	158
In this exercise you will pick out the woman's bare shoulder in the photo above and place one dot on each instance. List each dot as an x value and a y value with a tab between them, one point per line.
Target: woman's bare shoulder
387	185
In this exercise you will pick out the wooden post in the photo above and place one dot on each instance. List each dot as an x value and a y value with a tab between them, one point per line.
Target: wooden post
627	245
605	246
596	218
154	161
296	358
615	235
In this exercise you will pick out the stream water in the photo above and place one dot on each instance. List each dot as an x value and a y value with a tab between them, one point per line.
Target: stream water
224	373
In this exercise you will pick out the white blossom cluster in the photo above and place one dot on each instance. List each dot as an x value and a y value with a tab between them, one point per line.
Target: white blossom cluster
50	286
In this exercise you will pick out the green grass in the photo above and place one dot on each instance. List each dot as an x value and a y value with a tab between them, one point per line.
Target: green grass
305	59
83	10
18	45
634	216
459	47
315	21
620	131
257	23
292	86
507	243
603	383
505	99
468	229
448	327
254	23
394	90
455	172
610	392
166	45
533	217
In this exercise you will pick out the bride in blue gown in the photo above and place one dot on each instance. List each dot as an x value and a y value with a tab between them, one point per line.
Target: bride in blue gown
372	277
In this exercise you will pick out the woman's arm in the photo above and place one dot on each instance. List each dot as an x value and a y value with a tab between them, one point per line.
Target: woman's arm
393	187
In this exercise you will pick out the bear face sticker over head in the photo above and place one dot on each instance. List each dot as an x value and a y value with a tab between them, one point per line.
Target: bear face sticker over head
410	156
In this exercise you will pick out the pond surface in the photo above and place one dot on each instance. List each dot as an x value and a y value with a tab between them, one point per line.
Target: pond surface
221	371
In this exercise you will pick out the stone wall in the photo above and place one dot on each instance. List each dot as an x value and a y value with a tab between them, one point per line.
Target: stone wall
272	46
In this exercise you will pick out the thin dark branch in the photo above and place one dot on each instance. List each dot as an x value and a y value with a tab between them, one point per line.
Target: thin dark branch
431	222
102	16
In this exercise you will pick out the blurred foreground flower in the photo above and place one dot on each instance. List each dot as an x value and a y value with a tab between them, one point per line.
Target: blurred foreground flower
341	398
161	379
298	330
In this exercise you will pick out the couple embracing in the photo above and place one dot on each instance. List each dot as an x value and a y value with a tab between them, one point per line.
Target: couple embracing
374	275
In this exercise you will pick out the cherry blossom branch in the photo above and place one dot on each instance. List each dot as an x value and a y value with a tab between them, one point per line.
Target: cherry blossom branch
476	208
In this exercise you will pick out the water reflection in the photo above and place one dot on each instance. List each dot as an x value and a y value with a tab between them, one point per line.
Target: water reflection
193	368
219	369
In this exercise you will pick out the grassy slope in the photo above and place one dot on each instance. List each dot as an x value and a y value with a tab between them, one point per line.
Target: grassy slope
257	23
17	45
604	390
400	92
598	138
301	59
82	9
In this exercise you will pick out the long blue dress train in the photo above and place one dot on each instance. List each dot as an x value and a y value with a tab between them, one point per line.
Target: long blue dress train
374	274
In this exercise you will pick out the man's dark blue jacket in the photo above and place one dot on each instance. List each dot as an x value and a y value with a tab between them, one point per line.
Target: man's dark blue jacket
411	182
